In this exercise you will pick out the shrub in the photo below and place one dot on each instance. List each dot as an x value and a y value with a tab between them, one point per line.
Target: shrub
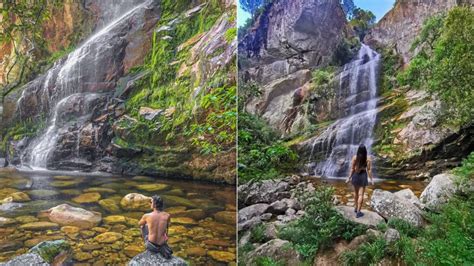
257	234
321	225
403	227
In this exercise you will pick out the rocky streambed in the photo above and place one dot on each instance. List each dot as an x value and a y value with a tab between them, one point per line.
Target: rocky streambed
97	215
275	203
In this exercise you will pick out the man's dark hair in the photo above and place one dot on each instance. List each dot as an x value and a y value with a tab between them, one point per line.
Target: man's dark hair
157	202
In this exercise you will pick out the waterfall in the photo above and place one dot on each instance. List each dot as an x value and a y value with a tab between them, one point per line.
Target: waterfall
86	70
339	142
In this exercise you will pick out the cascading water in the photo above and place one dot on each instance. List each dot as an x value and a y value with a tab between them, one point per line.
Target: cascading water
339	142
81	72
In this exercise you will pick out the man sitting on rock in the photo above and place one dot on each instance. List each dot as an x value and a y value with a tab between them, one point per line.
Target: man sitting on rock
154	227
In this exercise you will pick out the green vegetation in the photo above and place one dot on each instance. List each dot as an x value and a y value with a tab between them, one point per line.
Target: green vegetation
444	63
446	240
231	34
266	261
206	119
20	130
361	21
321	225
257	234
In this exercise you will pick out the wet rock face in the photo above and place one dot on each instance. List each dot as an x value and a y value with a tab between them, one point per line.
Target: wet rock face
400	26
278	52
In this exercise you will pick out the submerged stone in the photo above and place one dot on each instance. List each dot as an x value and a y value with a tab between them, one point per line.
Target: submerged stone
136	201
65	214
178	201
39	226
152	187
108	237
87	198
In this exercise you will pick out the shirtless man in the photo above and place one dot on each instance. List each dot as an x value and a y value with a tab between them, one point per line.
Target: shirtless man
154	227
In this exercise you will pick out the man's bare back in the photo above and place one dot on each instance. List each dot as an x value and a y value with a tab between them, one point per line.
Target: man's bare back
157	226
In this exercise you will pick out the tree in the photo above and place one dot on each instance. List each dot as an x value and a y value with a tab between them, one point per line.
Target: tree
348	6
444	63
251	5
362	20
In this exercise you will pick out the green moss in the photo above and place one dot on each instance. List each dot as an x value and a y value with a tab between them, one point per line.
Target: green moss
48	250
231	34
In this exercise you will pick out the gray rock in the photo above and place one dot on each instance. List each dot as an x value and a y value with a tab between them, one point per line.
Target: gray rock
292	203
373	233
370	218
278	207
245	238
388	206
391	235
149	258
278	250
270	231
267	191
266	216
438	192
408	195
26	259
249	224
290	212
252	211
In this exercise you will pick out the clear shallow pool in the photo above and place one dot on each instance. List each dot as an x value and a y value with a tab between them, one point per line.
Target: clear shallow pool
345	192
202	229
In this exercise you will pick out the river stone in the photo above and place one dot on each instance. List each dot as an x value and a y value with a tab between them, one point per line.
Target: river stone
143	178
408	195
64	177
26	219
42	193
70	229
100	190
178	201
370	218
132	251
48	250
65	214
252	211
71	192
226	217
6	221
39	226
20	197
195	252
87	198
135	201
109	205
279	250
6	192
390	206
391	235
177	229
439	191
64	183
278	207
108	237
152	187
267	191
221	256
148	258
90	247
176	192
183	220
26	259
7	245
82	256
196	214
115	219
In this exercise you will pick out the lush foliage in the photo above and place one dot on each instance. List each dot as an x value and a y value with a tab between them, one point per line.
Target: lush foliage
257	234
361	21
444	63
267	261
261	154
27	128
202	112
321	225
348	6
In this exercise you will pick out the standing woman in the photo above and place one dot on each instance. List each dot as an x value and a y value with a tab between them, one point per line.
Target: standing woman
361	168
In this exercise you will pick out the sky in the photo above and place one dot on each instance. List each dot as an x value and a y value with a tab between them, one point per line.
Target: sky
378	7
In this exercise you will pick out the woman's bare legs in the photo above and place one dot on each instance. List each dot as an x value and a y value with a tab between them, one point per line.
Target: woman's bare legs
360	199
356	197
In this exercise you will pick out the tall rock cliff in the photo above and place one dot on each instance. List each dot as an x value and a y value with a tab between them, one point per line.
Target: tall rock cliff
400	26
278	52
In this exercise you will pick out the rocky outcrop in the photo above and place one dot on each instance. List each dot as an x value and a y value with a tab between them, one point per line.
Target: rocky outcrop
26	259
370	218
45	253
402	24
440	189
149	258
388	205
280	49
278	250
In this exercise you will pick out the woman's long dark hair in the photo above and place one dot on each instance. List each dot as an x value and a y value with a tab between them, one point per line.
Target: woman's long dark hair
361	158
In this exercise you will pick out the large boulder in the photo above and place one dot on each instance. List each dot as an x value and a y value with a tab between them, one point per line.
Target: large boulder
252	211
439	191
409	195
26	259
136	201
65	214
49	250
266	191
149	258
370	218
279	250
388	205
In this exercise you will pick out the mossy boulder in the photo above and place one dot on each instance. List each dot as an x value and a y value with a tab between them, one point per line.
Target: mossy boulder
48	250
87	198
136	201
